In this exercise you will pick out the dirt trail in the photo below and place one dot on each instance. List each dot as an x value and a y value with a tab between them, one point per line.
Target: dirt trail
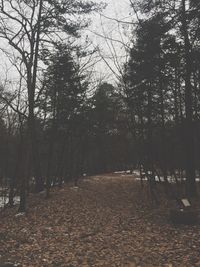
108	221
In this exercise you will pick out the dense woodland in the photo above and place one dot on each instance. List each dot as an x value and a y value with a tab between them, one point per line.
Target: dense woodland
57	125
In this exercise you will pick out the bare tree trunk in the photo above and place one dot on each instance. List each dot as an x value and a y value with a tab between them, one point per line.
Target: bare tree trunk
175	91
150	131
162	111
51	147
11	193
31	83
24	153
22	205
189	129
39	183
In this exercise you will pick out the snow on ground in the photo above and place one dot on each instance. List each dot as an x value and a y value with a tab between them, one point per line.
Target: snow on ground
4	201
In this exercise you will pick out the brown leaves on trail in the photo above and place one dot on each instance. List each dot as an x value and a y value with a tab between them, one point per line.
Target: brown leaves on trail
108	221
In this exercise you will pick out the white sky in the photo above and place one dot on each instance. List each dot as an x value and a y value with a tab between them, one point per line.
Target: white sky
113	52
120	33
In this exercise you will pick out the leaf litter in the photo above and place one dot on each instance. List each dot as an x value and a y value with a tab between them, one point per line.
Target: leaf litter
107	221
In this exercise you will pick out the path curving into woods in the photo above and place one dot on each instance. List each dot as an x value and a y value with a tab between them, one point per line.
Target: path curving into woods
107	221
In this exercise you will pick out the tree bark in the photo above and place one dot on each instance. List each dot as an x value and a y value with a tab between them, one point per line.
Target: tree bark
189	130
31	83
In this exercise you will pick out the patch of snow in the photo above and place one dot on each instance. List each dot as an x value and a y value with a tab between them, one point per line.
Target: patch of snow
136	172
4	201
75	188
139	179
123	172
20	214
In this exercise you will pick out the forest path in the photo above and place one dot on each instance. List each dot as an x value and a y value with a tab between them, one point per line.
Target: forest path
108	221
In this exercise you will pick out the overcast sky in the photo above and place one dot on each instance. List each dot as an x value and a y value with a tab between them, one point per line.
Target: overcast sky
112	51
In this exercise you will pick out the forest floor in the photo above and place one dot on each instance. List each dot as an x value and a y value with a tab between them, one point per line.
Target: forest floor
108	221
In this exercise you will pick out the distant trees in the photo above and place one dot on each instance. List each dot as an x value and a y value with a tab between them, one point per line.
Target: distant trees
62	103
110	129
